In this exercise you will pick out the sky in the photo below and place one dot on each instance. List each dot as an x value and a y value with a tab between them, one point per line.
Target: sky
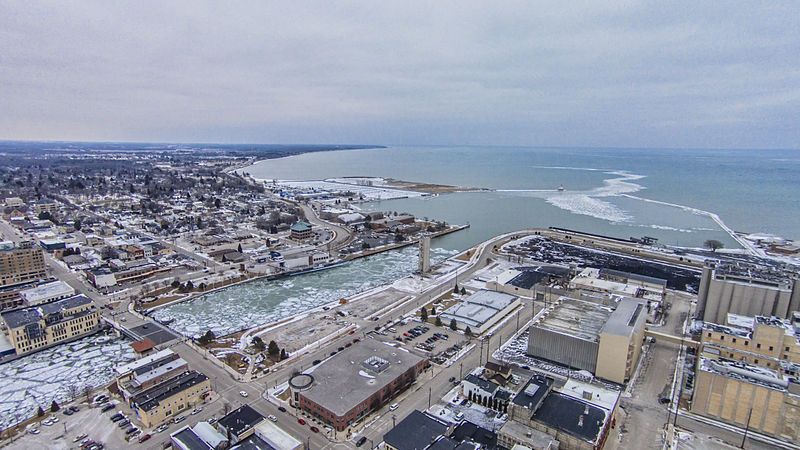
594	74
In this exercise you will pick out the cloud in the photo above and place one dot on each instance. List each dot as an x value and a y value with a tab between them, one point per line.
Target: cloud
515	73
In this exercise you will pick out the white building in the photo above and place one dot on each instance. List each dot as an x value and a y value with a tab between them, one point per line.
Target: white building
481	310
276	437
47	292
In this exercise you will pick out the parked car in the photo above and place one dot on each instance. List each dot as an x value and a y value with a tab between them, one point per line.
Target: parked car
361	441
144	437
281	409
301	421
179	419
393	406
272	418
316	361
315	429
107	407
79	437
131	430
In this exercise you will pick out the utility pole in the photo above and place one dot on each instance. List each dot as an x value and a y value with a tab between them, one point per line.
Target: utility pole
430	391
746	427
460	369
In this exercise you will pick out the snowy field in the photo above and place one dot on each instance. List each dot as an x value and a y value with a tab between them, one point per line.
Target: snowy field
369	192
260	302
57	373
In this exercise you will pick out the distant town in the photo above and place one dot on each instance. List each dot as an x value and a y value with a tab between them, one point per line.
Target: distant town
545	338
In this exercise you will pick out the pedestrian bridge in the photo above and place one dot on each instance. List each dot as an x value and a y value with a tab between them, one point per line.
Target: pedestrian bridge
659	336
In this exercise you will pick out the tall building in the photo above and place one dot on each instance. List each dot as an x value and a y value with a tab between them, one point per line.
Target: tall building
746	289
21	264
591	337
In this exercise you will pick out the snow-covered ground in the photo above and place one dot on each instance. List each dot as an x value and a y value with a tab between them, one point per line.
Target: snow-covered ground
261	302
368	192
57	373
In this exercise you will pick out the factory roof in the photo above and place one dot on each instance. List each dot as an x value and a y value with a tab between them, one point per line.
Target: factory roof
633	276
624	320
24	316
351	376
742	371
416	432
576	318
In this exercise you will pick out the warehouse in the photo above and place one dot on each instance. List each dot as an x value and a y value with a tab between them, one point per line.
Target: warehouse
481	310
578	334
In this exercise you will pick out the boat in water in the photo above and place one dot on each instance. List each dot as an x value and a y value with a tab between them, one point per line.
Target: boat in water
561	188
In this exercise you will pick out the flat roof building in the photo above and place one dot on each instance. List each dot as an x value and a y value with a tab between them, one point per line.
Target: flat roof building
746	289
417	431
354	382
43	293
21	264
37	327
602	340
163	401
240	423
481	310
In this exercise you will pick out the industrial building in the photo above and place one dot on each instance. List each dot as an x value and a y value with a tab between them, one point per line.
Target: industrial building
747	290
481	310
354	382
746	395
747	373
202	436
524	281
584	335
37	327
614	282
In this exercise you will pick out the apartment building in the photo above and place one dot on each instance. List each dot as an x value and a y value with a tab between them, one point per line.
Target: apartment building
21	264
37	327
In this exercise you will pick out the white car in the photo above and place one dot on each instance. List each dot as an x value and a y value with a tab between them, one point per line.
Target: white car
244	394
393	406
197	411
272	418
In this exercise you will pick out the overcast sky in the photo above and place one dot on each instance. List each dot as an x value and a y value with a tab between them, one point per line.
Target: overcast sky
722	74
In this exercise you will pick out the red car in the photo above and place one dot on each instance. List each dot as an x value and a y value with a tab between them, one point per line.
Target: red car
144	438
315	429
301	421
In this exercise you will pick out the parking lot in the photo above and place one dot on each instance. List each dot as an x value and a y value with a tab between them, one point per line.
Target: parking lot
93	428
439	343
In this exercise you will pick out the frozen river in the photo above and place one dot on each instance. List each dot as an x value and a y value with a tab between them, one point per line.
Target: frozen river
58	373
260	302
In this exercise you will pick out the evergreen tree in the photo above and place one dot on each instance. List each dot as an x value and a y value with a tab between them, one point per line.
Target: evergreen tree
54	406
423	313
453	324
273	349
438	321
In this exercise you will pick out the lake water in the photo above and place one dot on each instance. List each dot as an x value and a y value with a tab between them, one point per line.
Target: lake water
751	190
